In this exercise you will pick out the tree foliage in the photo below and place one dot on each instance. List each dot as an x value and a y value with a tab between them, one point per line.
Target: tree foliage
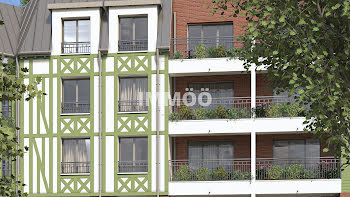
24	2
304	44
12	89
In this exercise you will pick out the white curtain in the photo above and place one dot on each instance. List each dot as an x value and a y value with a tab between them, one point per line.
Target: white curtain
76	155
133	94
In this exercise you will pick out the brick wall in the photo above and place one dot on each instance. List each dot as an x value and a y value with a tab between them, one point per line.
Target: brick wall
264	146
194	11
241	83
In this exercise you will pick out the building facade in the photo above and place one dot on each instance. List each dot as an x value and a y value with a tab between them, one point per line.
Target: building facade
143	98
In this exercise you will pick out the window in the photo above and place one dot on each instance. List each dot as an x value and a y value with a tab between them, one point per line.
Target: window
296	151
75	156
221	93
133	94
76	96
211	35
133	34
6	108
5	166
133	155
76	36
210	154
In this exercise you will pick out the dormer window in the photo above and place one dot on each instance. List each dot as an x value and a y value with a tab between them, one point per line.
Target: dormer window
133	34
76	36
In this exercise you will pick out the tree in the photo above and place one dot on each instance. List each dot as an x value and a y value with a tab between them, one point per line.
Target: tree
12	88
24	2
305	46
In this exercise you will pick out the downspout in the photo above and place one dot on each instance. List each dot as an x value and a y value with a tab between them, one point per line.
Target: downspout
157	122
18	133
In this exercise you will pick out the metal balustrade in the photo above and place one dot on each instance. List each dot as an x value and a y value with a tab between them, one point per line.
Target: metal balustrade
133	45
133	105
76	47
209	170
75	167
298	168
266	169
68	107
132	166
187	46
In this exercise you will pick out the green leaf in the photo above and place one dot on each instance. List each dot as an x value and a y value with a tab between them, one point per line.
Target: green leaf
315	29
282	19
293	33
275	53
336	6
301	22
299	51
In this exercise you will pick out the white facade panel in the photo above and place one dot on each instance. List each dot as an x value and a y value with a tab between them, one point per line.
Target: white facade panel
41	66
26	166
110	64
54	165
115	13
109	163
96	156
54	105
26	112
96	104
161	62
109	104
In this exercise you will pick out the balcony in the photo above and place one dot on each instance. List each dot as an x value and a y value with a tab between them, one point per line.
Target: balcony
72	108
234	108
133	106
75	167
207	47
132	166
133	45
75	47
266	169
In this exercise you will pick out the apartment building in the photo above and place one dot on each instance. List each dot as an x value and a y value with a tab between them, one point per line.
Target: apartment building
145	99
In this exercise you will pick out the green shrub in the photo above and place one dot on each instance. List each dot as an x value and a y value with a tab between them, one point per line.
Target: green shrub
183	173
221	112
199	113
310	174
174	116
260	111
178	55
239	175
221	51
185	112
220	173
275	172
232	52
202	174
212	52
236	113
294	110
200	52
294	171
274	110
210	113
332	174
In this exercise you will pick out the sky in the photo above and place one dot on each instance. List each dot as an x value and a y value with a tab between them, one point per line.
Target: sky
12	2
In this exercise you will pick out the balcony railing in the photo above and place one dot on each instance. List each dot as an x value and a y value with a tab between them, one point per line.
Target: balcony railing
6	110
133	45
186	47
306	168
209	170
75	47
266	169
236	108
75	167
132	166
68	107
133	105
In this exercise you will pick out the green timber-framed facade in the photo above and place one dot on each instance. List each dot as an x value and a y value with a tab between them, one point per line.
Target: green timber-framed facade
104	128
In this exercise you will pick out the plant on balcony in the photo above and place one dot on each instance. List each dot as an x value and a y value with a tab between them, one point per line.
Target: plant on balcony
178	55
200	52
260	110
221	51
212	52
199	113
202	174
294	171
310	174
185	112
275	172
240	175
183	173
294	110
233	52
236	113
174	116
274	110
210	114
221	112
220	173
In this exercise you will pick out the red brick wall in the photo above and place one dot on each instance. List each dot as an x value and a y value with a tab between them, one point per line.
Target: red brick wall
264	146
194	11
345	195
241	83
